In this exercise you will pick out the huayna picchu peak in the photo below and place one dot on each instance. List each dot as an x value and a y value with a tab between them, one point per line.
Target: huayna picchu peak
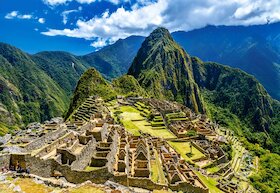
164	69
141	114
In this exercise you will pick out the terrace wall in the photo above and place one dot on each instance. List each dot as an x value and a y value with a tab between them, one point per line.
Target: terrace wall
5	160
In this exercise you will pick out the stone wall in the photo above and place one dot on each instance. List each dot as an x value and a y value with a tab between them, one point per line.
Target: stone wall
84	158
98	176
145	183
40	142
56	143
186	187
111	157
45	168
5	160
37	166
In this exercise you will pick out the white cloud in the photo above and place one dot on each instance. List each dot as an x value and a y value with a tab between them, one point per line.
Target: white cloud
15	14
41	20
11	15
85	1
173	14
59	2
55	2
99	43
65	14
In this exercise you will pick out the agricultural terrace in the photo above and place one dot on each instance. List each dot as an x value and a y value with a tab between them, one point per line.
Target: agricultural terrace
184	149
134	122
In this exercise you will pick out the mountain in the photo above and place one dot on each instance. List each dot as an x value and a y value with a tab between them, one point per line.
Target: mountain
27	93
254	49
38	87
113	61
165	71
64	68
91	83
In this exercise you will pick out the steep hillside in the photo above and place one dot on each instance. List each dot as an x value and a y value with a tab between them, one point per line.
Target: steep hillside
254	49
62	67
235	90
114	60
27	94
128	86
91	83
165	71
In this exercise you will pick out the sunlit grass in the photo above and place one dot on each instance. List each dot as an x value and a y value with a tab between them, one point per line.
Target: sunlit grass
28	185
183	148
85	189
209	182
130	114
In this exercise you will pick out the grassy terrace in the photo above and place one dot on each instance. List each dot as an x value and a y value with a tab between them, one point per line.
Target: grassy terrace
213	169
157	172
183	148
86	188
29	186
134	122
89	168
209	182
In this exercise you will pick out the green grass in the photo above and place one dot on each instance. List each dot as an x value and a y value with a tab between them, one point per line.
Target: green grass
88	188
213	169
130	113
183	148
89	168
28	185
157	172
209	182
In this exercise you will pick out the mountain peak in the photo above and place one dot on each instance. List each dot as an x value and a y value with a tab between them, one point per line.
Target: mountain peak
159	33
164	69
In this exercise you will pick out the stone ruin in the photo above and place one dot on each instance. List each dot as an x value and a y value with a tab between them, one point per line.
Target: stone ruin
92	147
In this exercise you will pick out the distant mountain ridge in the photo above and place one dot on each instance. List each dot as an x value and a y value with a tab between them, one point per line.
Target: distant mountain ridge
254	49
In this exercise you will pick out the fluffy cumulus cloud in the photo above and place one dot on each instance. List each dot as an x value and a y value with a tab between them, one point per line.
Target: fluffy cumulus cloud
173	14
16	14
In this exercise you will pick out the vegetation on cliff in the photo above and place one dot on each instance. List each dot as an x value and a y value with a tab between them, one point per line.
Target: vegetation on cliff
164	70
27	93
127	85
91	83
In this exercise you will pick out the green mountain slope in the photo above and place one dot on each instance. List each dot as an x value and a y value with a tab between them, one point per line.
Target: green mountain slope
27	93
164	70
254	49
91	83
62	67
128	86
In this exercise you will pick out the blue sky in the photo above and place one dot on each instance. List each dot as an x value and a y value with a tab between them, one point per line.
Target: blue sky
82	26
